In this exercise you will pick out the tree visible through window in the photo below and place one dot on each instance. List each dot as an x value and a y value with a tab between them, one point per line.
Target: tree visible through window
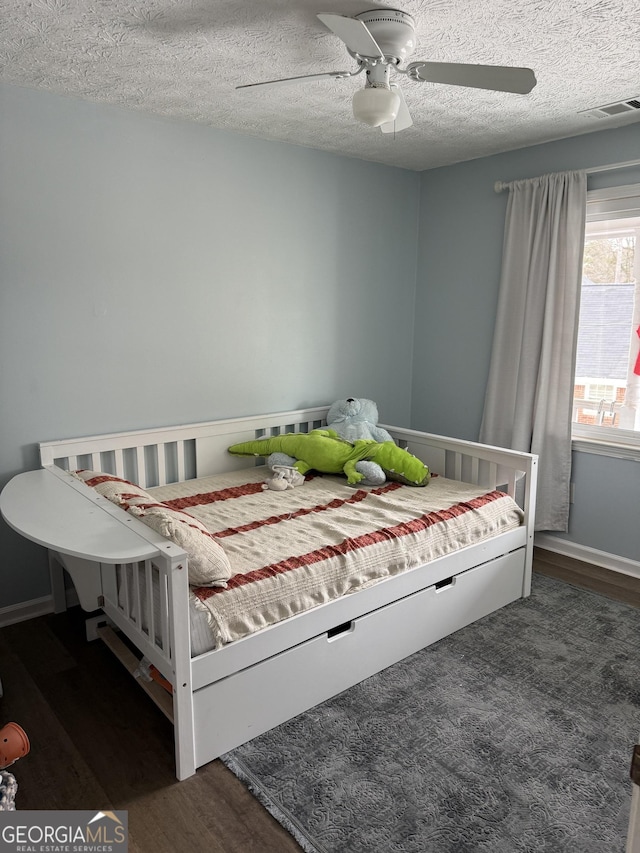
607	379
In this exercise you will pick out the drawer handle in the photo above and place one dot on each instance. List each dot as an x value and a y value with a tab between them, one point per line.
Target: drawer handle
447	583
341	630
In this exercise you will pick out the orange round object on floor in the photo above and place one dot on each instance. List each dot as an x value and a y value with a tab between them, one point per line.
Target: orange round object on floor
14	744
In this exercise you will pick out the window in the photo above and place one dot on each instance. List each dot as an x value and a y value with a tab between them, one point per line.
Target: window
606	400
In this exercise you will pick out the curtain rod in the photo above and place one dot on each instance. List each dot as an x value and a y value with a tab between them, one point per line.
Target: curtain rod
499	186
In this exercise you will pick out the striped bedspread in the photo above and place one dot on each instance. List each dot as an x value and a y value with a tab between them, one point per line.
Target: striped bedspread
293	550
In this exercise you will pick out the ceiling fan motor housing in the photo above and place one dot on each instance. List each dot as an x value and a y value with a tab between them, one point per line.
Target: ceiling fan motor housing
394	31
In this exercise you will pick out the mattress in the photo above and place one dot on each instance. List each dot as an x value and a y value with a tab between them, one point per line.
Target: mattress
297	549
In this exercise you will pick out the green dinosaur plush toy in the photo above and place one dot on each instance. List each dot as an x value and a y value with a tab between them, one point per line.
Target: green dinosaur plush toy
323	450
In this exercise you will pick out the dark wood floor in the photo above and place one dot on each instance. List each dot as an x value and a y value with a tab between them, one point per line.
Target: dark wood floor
98	742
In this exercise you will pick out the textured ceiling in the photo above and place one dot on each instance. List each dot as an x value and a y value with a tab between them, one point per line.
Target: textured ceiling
183	58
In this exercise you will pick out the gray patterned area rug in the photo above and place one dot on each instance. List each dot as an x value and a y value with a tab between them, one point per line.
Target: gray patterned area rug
514	734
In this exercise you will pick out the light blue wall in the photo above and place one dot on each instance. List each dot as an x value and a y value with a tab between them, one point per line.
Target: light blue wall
460	248
606	510
156	272
272	283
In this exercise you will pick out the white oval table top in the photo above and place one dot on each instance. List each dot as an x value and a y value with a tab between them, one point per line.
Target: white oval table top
48	508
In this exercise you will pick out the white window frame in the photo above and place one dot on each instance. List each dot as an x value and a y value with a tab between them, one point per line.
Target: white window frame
610	203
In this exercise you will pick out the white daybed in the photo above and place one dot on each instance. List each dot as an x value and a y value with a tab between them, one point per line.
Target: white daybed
226	696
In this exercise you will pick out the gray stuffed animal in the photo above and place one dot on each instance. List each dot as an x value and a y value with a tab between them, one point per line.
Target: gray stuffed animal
355	418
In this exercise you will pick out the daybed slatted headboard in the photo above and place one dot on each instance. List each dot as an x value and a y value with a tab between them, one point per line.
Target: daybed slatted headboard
160	456
157	457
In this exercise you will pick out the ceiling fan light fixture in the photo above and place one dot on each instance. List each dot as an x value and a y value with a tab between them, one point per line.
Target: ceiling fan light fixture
375	105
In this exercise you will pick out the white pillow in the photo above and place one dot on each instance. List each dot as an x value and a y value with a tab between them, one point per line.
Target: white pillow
111	487
208	561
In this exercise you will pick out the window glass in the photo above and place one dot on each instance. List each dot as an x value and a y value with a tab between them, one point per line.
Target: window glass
606	401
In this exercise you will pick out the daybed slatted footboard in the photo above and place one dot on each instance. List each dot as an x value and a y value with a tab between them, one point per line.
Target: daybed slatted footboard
226	696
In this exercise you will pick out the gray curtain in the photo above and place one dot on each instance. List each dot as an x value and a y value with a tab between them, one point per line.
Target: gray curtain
530	388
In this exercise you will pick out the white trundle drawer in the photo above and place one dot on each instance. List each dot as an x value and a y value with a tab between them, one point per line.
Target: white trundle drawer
241	706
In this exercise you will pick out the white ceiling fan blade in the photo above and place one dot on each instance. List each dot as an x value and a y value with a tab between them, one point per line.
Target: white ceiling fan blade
403	119
354	34
285	81
498	78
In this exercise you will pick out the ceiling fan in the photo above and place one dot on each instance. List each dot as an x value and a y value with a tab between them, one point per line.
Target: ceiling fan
381	41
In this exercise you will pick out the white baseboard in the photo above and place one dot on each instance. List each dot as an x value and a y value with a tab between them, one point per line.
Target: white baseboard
33	608
25	610
587	555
